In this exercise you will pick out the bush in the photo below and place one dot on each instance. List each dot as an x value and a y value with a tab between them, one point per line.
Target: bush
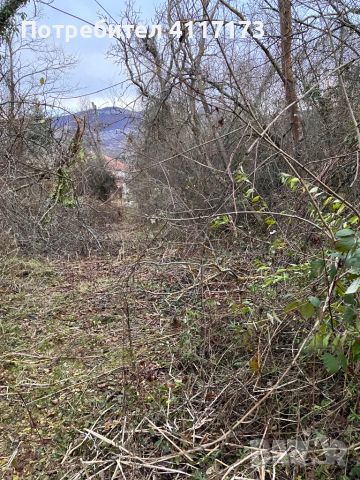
97	180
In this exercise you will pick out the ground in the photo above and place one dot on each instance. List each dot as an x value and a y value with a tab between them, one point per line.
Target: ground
65	345
154	352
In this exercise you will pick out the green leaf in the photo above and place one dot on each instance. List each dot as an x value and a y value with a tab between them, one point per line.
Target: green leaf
320	341
240	176
249	192
315	301
292	306
354	260
332	272
331	363
355	350
293	182
346	232
327	201
353	220
345	244
270	221
220	221
349	313
340	288
341	209
349	299
342	360
336	205
353	287
345	240
316	267
307	310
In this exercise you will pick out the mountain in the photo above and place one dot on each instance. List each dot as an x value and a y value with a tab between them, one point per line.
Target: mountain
113	124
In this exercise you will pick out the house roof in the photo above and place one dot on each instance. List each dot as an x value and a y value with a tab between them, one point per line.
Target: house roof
115	165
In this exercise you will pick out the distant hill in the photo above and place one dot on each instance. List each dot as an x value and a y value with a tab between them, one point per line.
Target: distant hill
113	123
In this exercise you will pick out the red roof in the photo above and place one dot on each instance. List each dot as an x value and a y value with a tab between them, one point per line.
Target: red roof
115	165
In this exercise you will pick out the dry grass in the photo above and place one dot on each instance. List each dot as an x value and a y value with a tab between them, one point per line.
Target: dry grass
163	362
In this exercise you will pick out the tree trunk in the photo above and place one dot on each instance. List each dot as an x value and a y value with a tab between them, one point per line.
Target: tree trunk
287	67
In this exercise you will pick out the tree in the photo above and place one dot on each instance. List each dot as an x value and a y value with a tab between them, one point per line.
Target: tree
287	67
38	135
7	11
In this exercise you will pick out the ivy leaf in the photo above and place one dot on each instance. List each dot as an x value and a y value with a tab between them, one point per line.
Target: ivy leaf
331	363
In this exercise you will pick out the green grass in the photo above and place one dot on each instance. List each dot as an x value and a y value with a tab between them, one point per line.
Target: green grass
56	341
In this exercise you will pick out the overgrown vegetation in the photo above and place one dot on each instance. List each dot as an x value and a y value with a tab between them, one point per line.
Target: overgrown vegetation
212	331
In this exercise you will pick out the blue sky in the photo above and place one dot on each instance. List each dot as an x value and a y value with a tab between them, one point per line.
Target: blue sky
94	71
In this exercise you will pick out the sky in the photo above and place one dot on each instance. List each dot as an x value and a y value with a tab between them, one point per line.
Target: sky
93	71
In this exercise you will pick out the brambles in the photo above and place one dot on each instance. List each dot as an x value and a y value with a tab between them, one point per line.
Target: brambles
214	332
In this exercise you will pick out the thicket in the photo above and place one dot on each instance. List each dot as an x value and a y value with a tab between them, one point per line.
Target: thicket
245	174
